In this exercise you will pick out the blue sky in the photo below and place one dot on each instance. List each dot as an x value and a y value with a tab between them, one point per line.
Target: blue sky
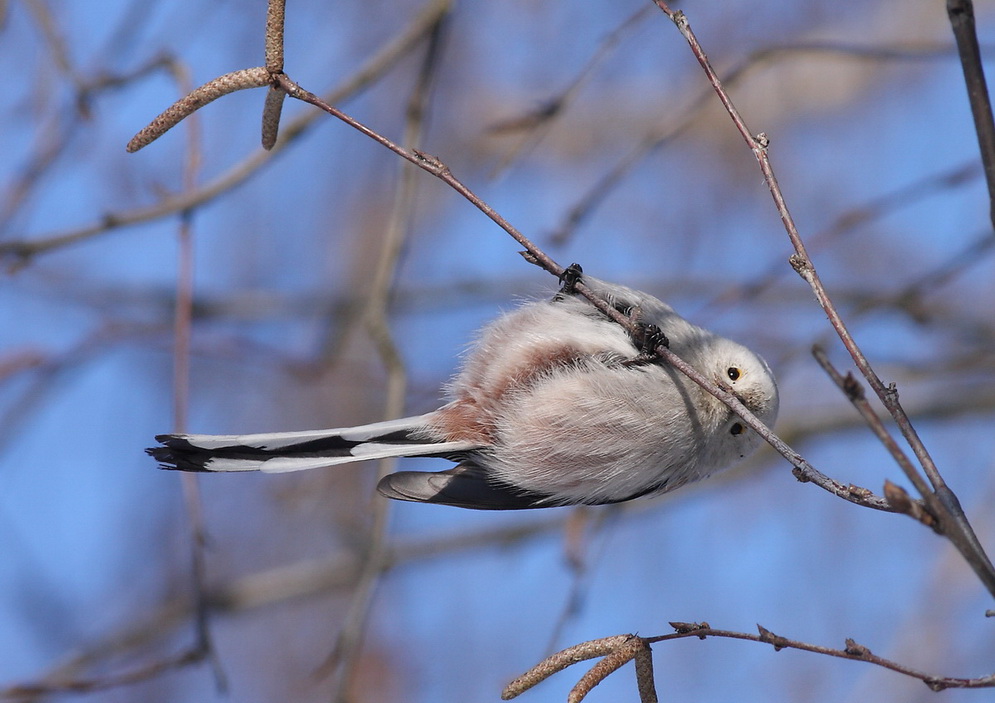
95	540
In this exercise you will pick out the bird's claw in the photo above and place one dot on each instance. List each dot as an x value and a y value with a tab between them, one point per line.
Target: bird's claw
648	338
571	274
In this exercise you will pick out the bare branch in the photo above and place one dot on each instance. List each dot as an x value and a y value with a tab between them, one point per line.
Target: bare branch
620	649
427	162
855	394
942	501
851	651
103	683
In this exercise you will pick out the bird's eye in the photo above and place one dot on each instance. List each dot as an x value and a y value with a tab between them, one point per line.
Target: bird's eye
737	428
733	373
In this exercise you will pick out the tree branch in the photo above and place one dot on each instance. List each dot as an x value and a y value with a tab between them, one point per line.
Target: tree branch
941	500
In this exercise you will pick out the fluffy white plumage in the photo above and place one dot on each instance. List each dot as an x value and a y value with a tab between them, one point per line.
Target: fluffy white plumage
549	409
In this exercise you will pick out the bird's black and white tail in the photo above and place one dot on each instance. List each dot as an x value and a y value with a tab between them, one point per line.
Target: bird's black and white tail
278	452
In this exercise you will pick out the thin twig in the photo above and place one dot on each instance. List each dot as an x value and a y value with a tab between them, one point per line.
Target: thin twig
427	162
950	516
55	131
58	48
619	649
852	651
102	683
535	124
854	392
203	647
849	221
262	589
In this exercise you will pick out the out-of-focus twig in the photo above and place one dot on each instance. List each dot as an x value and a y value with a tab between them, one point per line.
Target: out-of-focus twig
657	138
850	221
24	691
533	126
17	252
374	318
182	330
264	588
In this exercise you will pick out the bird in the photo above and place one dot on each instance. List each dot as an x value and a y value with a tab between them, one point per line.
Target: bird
556	404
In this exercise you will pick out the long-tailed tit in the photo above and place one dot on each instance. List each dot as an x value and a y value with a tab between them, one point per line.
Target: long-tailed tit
556	404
